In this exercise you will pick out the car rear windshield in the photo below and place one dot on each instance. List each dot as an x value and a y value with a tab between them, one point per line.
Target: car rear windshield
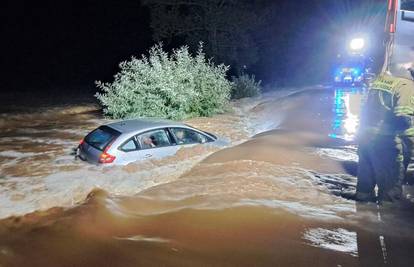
101	137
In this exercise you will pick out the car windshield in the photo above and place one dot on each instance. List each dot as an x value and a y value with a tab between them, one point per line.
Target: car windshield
101	137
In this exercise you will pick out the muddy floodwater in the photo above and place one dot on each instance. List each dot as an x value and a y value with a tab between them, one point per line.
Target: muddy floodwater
271	198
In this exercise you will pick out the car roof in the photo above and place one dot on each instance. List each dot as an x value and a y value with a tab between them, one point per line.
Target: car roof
127	126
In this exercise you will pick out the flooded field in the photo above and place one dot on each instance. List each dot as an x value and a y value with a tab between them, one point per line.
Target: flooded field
269	199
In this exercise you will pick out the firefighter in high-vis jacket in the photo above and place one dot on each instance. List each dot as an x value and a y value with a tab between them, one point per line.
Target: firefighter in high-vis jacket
385	139
386	134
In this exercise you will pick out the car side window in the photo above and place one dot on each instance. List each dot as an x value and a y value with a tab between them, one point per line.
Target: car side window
153	139
129	146
185	136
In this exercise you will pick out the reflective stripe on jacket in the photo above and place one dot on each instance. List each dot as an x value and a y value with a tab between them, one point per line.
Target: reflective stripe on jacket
389	107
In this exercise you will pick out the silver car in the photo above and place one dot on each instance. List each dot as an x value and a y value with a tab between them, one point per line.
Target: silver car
132	140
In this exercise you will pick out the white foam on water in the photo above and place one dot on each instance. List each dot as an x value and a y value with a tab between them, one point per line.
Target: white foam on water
223	184
21	195
17	154
141	238
339	239
337	154
253	183
306	210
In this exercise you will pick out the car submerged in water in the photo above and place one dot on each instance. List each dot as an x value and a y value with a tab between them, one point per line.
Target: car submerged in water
128	141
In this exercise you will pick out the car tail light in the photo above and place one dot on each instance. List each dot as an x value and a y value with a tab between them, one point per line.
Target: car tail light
105	157
81	142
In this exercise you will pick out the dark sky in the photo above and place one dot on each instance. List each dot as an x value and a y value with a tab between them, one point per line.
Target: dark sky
63	44
70	43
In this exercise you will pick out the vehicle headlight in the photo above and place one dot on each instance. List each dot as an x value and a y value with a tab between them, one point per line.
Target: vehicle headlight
357	44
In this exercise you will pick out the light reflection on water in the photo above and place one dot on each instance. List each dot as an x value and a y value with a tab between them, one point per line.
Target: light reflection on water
338	239
346	110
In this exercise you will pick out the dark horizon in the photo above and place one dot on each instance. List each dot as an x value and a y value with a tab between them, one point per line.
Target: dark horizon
52	46
71	44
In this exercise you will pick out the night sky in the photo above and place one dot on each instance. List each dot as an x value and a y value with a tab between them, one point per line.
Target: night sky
70	43
67	45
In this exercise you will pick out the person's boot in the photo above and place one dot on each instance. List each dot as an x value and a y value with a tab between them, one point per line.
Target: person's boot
392	198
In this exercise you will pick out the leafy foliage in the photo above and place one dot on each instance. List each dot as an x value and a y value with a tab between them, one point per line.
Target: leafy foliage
162	85
245	86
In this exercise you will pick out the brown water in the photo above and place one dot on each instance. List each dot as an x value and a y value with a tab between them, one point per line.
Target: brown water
269	200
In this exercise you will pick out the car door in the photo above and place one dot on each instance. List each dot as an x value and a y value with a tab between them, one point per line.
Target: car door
156	144
153	144
129	151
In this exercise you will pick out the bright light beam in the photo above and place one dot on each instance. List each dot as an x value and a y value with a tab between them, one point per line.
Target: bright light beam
357	44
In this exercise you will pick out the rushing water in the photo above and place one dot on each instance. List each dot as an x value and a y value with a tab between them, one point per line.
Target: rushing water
269	199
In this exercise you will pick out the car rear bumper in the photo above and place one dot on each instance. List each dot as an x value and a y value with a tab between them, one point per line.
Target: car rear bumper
88	153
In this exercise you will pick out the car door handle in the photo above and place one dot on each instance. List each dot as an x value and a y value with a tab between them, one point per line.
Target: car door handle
148	155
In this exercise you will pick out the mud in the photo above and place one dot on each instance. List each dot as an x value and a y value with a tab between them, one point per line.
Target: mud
269	199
